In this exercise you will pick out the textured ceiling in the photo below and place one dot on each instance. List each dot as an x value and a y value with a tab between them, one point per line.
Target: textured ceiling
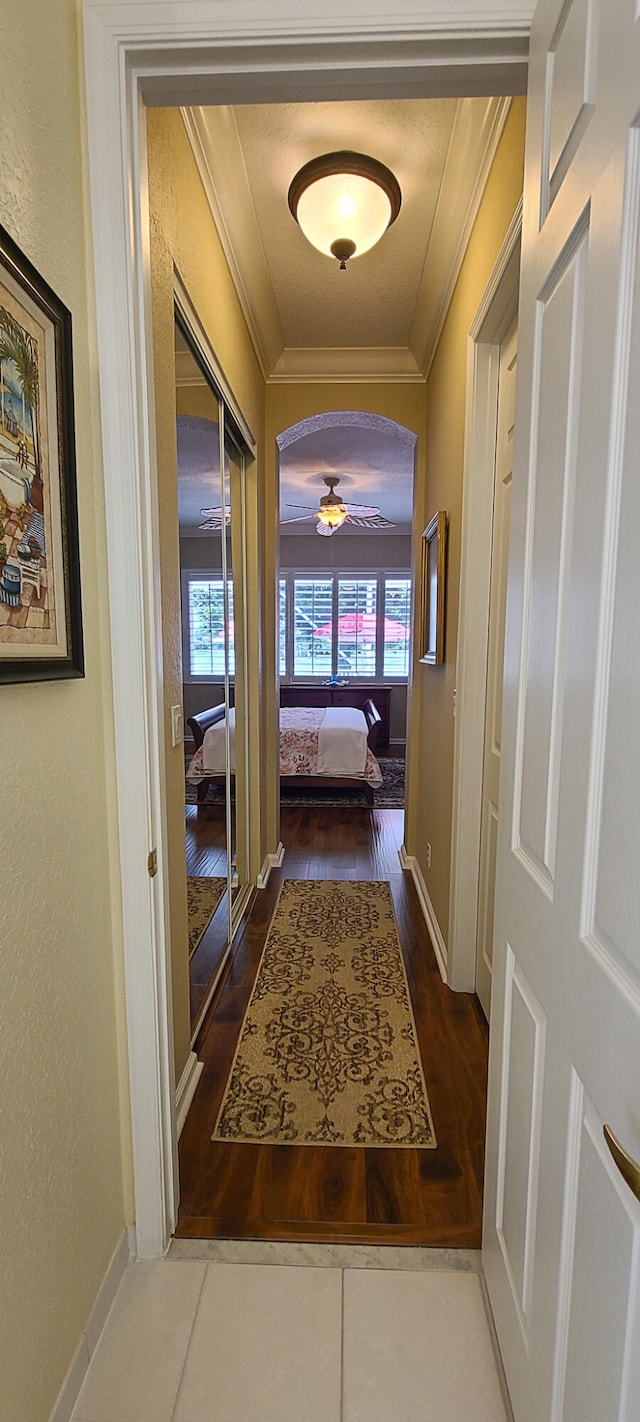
316	306
373	302
374	467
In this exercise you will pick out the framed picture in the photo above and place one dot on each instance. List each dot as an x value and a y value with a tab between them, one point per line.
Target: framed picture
40	607
434	571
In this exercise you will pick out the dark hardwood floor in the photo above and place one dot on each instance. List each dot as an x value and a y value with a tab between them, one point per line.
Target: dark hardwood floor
206	856
328	1193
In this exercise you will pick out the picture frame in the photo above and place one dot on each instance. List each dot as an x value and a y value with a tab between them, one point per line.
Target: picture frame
434	573
40	594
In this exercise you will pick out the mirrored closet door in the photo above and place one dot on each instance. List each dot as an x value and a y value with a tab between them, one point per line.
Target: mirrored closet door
211	473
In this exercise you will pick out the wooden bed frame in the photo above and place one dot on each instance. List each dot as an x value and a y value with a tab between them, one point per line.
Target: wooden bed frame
201	723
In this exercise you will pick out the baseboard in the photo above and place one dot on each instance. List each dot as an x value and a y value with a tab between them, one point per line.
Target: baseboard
272	861
504	1386
68	1395
399	741
409	862
185	1090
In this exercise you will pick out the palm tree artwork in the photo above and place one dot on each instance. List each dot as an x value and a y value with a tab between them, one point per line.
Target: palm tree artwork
18	348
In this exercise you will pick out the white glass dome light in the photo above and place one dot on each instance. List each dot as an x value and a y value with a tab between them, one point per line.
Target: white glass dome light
344	202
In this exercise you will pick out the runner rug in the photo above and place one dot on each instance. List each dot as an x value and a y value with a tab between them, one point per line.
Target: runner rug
328	1052
203	897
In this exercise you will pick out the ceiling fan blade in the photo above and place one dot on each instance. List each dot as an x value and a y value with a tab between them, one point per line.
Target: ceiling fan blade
324	530
212	524
373	521
362	510
301	519
301	506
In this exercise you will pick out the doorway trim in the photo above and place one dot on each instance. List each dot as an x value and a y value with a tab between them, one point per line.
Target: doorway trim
191	53
496	313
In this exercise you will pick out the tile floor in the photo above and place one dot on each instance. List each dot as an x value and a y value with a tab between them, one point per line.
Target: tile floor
196	1341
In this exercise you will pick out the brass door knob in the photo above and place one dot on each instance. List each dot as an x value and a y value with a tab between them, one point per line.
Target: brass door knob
628	1167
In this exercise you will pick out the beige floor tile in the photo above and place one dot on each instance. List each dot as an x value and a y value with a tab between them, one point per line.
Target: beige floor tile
136	1368
417	1348
265	1347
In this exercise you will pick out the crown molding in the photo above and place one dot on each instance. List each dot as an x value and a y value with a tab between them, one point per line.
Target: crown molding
305	364
214	141
477	130
187	372
193	20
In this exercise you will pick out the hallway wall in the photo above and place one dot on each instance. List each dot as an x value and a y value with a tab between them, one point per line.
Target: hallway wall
184	238
445	420
62	1052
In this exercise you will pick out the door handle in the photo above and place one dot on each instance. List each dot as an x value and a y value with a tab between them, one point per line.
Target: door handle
628	1167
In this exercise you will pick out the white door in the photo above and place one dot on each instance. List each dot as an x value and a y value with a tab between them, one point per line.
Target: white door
562	1227
503	471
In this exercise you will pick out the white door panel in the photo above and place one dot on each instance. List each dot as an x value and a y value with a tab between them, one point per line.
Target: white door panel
562	1228
502	475
598	1304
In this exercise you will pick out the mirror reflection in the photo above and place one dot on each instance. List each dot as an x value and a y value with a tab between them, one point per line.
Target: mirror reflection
210	469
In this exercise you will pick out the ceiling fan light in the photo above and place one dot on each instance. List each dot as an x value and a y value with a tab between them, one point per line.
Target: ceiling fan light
344	202
332	516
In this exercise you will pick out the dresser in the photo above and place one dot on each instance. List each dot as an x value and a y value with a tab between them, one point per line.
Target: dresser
356	695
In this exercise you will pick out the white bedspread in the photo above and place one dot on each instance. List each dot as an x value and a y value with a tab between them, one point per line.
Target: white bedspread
339	743
342	741
214	757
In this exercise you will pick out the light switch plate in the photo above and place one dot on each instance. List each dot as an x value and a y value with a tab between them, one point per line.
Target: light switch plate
176	725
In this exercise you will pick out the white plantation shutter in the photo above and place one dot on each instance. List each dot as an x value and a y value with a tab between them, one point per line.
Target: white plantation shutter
206	627
397	610
312	611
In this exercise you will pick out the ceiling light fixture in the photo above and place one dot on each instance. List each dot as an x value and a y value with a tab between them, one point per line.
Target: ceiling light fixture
344	202
333	516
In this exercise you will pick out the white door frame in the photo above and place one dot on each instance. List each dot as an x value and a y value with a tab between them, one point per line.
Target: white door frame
194	52
495	314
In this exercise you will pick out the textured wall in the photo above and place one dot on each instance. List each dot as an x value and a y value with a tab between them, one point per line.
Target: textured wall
60	1149
446	393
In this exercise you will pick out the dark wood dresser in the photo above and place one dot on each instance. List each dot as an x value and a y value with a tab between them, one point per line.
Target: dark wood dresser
353	695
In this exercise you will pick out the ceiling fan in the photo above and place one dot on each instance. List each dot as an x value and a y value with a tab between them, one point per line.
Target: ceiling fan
213	518
332	512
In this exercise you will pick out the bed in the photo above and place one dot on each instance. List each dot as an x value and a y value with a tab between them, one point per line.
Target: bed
330	747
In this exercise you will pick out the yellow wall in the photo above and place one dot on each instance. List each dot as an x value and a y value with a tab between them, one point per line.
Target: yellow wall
433	723
184	237
60	1147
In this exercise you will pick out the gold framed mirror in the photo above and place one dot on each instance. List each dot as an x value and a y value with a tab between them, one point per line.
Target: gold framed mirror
433	589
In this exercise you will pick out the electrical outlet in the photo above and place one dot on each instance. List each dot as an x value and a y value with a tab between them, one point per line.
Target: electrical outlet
428	856
176	725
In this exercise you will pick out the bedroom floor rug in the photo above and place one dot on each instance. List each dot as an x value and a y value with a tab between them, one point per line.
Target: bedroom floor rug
390	796
328	1050
203	897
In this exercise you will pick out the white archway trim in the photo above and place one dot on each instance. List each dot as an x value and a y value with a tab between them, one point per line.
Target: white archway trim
493	318
347	419
200	51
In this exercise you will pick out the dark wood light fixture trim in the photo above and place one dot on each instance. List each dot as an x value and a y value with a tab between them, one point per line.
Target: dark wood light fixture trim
329	164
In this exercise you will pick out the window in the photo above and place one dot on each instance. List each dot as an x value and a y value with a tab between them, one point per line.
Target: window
397	626
282	628
346	625
312	626
206	626
355	626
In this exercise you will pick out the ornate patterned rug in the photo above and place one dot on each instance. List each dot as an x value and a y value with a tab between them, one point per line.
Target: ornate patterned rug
328	1052
390	795
203	897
